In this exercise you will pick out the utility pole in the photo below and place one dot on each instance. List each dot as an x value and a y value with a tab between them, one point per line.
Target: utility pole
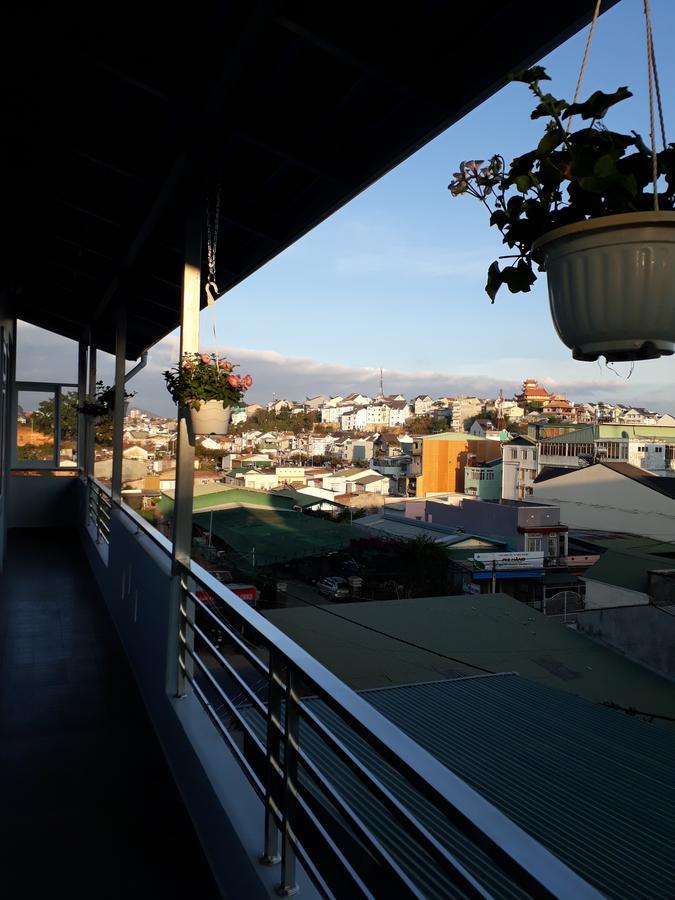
381	384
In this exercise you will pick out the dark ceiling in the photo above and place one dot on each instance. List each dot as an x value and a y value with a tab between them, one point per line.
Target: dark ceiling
116	116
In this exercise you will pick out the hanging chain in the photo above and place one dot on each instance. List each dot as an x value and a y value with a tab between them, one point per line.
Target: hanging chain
212	234
580	79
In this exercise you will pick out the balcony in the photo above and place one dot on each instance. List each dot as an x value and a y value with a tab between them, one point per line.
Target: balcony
232	703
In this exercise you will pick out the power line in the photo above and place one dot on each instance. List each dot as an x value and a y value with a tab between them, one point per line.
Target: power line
393	637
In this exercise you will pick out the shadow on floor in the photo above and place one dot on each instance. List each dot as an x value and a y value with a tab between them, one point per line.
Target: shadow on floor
89	807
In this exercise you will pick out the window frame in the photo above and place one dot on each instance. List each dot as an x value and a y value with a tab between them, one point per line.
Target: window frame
45	387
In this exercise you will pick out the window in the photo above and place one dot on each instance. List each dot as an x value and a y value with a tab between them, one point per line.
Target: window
534	543
658	449
46	426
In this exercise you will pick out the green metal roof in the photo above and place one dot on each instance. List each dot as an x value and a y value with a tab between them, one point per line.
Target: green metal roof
242	497
276	535
452	436
491	631
592	785
628	560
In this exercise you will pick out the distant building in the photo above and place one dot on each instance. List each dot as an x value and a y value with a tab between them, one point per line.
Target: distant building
439	460
520	459
484	481
465	408
533	394
422	405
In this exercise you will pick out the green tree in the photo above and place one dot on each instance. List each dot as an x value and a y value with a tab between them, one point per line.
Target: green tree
43	417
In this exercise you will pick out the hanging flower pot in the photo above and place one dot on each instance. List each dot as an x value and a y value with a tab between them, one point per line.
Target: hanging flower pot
206	386
611	285
595	210
211	417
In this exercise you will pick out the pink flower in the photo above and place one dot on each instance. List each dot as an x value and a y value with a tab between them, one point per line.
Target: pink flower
233	381
247	381
225	365
187	364
206	359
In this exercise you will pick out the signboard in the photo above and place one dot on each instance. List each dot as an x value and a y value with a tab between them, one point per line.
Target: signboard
499	562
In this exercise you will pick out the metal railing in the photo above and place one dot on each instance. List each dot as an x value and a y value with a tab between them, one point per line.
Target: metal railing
313	750
99	505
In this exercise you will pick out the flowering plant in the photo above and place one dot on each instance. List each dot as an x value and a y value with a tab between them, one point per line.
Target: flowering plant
103	403
567	178
200	377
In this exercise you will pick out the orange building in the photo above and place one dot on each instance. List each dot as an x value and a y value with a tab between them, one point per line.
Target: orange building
438	460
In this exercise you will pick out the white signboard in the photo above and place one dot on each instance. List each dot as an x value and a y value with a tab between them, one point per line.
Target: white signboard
517	560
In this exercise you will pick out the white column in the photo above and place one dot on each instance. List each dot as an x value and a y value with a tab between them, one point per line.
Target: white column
81	419
118	416
180	665
91	427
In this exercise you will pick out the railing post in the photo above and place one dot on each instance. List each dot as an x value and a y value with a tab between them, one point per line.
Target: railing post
288	884
186	666
273	760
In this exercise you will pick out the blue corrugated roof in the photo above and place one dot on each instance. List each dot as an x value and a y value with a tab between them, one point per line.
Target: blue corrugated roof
594	786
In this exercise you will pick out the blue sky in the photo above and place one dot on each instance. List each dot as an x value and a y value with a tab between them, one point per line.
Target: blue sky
396	278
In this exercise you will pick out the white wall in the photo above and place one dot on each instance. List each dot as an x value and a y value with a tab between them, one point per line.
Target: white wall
596	497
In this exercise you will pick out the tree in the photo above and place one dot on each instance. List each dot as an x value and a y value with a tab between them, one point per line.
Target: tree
43	417
428	425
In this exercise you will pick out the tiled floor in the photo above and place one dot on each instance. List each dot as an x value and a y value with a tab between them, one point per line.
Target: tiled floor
87	804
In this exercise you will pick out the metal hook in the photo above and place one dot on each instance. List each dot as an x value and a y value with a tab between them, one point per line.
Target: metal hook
211	291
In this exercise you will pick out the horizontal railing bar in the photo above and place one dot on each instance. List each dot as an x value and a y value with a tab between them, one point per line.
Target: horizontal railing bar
248	653
226	700
357	882
429	843
364	833
522	857
229	668
255	782
516	852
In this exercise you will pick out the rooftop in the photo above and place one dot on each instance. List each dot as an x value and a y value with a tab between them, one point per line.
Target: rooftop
441	637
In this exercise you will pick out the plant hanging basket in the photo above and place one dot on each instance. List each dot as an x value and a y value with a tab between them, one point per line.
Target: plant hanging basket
611	285
212	417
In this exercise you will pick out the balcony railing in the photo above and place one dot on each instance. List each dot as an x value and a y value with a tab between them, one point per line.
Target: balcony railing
99	505
272	705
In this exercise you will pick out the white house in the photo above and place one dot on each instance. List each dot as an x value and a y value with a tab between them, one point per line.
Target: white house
481	427
357	420
422	405
399	413
638	416
239	416
520	461
316	402
135	453
611	496
465	408
332	415
358	399
378	415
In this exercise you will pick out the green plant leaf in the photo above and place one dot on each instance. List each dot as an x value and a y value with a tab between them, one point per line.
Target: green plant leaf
597	105
524	183
519	278
494	281
553	138
548	106
529	76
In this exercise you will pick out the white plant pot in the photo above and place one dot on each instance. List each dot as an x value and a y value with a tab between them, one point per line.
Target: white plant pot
611	285
211	417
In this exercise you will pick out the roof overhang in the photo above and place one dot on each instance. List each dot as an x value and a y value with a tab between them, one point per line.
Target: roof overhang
118	123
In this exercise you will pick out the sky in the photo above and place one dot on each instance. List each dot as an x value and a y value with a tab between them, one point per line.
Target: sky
396	278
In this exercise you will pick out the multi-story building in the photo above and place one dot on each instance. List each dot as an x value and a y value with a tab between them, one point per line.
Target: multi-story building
649	447
399	413
356	420
465	408
520	458
439	460
332	415
559	407
422	405
378	416
484	481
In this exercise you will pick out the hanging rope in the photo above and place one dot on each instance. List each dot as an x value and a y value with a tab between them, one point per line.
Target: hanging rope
651	68
584	60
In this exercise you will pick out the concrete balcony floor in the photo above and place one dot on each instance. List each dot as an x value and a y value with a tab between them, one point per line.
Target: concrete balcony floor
89	807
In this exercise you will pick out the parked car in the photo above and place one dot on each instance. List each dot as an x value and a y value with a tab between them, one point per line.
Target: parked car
333	587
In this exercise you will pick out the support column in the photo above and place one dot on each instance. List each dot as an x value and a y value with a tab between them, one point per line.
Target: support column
91	425
118	416
82	419
182	630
